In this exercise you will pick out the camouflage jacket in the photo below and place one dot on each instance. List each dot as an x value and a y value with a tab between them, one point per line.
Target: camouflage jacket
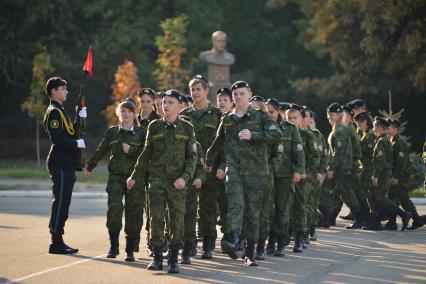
144	122
367	146
356	146
382	157
401	155
322	150
340	149
310	147
170	152
120	163
245	157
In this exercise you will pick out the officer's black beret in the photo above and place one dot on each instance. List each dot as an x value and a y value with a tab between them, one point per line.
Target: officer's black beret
356	103
362	116
394	122
223	91
381	121
348	110
173	93
335	107
257	99
128	100
295	107
284	106
146	91
201	78
239	84
273	102
159	94
54	83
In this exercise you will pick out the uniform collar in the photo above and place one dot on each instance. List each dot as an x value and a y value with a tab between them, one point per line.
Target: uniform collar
169	124
56	104
131	129
250	111
207	109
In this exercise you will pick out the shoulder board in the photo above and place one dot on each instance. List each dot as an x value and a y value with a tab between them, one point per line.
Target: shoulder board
186	122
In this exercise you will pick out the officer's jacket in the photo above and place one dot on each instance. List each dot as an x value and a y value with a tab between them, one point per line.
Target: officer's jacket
62	154
322	150
205	124
120	163
400	150
293	154
245	157
340	148
367	146
145	121
310	146
170	152
382	157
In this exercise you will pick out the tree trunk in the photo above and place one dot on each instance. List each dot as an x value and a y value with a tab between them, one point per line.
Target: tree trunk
38	142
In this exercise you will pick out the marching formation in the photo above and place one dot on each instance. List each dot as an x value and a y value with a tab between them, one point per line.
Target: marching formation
257	167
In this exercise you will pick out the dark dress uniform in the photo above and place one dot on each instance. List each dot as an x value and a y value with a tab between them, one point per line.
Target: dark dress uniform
61	163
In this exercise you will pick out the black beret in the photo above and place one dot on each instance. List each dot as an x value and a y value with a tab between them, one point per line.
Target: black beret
356	103
146	91
295	107
394	122
257	99
223	91
128	100
362	116
173	93
190	99
54	83
239	84
348	110
334	107
159	94
200	77
381	121
284	106
273	102
184	99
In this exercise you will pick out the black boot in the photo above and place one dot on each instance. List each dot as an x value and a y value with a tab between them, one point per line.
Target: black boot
229	245
249	254
348	217
405	218
260	249
417	222
213	243
173	261
326	215
113	239
193	251
59	247
280	248
270	248
186	252
312	233
391	224
137	242
333	217
130	242
306	240
207	251
360	219
373	223
157	263
298	248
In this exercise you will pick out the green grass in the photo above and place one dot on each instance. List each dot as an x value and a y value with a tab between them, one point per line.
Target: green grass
23	172
418	193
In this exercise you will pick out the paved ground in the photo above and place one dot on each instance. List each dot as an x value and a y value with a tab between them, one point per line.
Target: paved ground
339	256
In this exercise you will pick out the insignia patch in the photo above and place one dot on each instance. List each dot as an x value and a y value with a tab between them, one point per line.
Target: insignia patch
320	148
401	154
54	124
194	147
280	148
272	127
299	147
315	146
379	153
339	143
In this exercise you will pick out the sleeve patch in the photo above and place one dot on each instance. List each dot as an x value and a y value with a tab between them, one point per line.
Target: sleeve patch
272	127
280	148
401	154
380	153
339	143
194	147
54	124
299	147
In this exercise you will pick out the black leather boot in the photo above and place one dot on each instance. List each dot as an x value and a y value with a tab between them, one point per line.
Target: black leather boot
405	218
193	251
59	247
360	219
280	248
298	247
326	215
270	248
260	249
130	242
373	223
229	245
312	233
207	251
249	254
417	222
349	217
137	242
186	252
173	261
113	239
157	263
391	224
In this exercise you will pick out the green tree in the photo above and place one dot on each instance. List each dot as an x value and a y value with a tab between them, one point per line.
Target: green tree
34	105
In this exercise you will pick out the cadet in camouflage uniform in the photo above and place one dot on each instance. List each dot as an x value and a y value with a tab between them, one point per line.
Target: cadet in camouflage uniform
400	175
378	199
205	117
170	156
341	162
298	214
287	173
243	134
123	143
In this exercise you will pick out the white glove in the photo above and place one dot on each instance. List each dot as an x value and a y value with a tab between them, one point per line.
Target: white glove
82	113
80	143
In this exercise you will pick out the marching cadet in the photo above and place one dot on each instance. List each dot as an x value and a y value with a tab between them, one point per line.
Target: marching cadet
243	135
146	115
61	161
205	118
170	157
158	103
123	143
258	103
399	190
380	204
341	162
286	174
357	106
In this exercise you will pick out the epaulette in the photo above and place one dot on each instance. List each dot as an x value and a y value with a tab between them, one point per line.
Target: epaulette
186	121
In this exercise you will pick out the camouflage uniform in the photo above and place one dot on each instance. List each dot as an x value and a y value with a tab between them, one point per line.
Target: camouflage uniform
246	168
367	146
170	153
120	167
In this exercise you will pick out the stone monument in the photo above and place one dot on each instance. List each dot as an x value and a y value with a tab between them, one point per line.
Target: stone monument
219	63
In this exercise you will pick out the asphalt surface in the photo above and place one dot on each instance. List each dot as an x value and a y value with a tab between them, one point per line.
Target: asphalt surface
339	255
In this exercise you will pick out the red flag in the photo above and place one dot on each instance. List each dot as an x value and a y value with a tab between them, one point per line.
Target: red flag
88	64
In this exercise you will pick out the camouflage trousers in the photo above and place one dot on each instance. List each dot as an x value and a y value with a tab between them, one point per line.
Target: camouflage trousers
208	207
133	206
264	222
298	212
190	219
312	200
223	206
166	203
342	190
244	195
378	198
399	195
282	201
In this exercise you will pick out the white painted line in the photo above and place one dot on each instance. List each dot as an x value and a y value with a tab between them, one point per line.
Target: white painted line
53	269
